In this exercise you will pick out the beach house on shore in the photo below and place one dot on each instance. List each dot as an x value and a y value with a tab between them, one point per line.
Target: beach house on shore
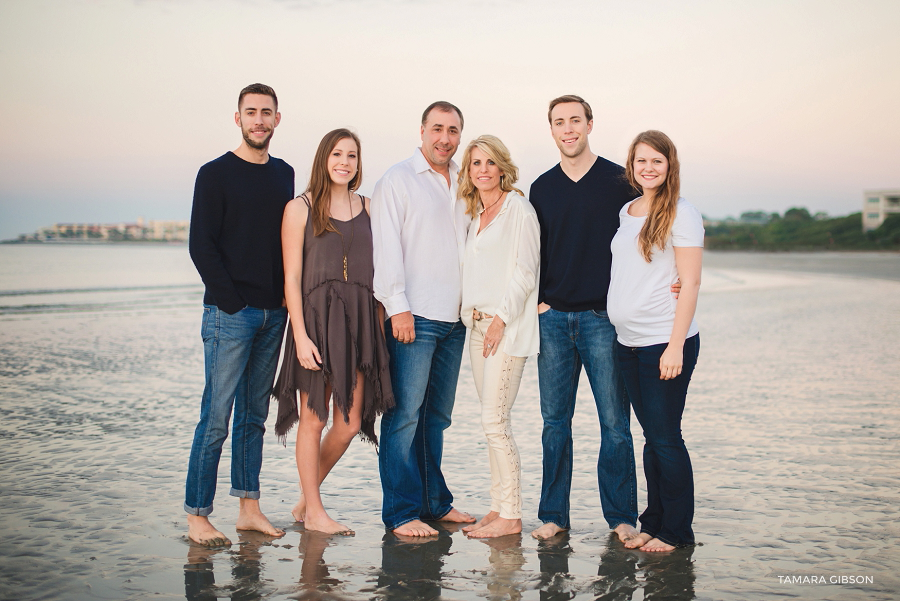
877	205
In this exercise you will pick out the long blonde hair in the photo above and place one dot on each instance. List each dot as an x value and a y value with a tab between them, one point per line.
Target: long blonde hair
664	202
318	190
497	152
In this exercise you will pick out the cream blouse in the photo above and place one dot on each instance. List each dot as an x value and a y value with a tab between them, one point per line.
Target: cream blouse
501	267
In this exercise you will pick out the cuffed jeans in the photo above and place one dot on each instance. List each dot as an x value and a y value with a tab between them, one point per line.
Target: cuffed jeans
241	354
497	379
568	341
423	375
658	406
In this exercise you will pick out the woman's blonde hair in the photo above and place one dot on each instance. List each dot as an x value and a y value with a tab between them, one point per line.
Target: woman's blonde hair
664	203
318	190
495	151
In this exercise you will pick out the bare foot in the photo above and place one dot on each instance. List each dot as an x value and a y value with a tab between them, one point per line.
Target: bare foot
455	515
498	527
490	517
415	528
656	545
327	525
251	518
548	530
637	541
626	532
299	510
203	533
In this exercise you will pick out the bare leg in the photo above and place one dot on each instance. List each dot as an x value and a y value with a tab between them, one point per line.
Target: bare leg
548	530
316	457
626	532
656	545
202	532
638	541
251	518
336	441
490	517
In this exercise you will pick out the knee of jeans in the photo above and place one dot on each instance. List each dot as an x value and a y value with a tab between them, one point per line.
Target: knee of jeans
491	422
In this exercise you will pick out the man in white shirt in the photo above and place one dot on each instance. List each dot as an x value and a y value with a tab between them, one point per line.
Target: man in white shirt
419	234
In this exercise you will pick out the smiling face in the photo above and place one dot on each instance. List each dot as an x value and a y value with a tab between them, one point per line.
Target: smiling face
483	172
343	161
570	128
650	167
257	118
440	137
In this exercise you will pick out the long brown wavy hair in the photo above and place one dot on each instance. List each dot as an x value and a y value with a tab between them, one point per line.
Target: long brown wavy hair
497	152
664	202
318	190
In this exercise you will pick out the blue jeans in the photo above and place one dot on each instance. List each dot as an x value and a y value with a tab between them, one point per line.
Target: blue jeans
241	354
423	375
568	341
658	406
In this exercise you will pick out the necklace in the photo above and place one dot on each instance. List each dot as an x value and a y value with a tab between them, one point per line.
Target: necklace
493	203
344	252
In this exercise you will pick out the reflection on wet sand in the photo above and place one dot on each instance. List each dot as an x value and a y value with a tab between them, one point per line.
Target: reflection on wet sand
411	566
662	576
246	567
316	581
506	559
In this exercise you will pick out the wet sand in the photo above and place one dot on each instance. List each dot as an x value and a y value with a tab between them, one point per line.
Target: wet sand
792	423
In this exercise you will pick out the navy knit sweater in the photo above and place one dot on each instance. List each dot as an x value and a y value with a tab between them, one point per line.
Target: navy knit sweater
578	222
235	240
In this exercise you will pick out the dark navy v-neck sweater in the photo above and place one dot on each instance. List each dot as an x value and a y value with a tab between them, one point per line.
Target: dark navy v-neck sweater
235	239
578	221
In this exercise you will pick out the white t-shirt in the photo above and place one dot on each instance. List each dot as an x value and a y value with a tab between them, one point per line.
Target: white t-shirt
640	303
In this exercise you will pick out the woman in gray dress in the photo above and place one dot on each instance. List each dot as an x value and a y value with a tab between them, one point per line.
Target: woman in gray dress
335	347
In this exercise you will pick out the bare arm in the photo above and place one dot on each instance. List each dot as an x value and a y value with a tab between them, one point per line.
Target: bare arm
688	262
293	227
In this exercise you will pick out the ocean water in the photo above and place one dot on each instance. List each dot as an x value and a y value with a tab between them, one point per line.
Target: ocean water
792	421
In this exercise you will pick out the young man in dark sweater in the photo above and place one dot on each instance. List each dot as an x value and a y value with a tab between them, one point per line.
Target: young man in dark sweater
577	204
235	243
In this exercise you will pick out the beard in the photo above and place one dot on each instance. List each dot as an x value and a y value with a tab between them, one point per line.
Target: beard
260	144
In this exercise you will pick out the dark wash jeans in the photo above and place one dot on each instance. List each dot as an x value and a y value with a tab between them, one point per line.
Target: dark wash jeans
424	374
568	341
658	406
241	354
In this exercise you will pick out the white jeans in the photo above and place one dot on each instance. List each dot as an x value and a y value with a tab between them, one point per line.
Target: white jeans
497	381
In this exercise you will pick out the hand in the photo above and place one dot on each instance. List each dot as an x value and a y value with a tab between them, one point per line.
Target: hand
307	353
543	308
403	326
670	362
493	336
676	288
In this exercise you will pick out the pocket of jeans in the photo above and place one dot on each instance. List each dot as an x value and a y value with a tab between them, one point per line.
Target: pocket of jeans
602	314
205	322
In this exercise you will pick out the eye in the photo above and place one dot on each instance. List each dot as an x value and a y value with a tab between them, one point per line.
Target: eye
490	162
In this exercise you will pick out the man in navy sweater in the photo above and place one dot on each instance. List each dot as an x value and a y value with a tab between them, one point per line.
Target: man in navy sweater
577	204
235	243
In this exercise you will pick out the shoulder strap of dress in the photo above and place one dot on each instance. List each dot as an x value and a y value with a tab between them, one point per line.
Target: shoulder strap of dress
306	200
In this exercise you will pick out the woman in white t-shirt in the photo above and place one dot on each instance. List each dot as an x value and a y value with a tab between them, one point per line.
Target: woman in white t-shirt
660	240
499	305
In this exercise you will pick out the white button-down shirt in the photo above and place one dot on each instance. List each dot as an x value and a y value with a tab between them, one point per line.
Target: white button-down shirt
419	236
501	273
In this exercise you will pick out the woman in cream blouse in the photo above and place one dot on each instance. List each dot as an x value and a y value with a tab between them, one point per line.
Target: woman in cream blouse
499	305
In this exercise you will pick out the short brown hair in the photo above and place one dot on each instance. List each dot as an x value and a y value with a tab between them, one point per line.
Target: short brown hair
588	113
258	88
444	107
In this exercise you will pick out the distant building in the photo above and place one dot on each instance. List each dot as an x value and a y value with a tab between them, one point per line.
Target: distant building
167	231
877	205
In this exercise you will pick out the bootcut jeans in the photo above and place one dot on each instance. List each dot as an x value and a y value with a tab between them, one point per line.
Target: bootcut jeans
424	374
570	340
240	354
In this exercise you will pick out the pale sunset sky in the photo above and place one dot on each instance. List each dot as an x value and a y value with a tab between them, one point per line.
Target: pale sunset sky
111	106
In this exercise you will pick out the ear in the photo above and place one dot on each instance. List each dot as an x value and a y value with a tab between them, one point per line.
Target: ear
422	133
590	126
237	118
277	119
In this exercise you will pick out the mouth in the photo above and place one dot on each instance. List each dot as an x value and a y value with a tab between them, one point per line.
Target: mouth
569	141
341	172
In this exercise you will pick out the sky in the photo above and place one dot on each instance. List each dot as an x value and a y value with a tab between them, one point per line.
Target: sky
111	106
